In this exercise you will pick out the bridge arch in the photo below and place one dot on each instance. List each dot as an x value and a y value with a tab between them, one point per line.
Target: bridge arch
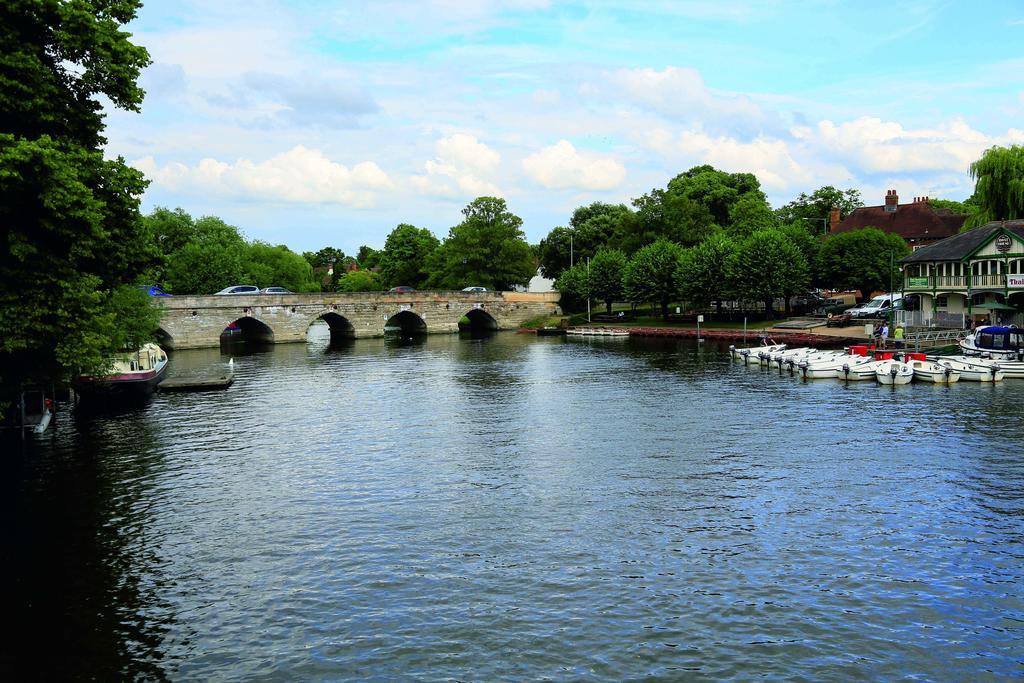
477	320
247	330
340	327
405	323
164	338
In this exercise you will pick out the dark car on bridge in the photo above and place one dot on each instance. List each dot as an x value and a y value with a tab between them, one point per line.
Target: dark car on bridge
153	290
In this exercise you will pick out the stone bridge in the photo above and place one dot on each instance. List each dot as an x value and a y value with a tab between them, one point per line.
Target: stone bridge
198	321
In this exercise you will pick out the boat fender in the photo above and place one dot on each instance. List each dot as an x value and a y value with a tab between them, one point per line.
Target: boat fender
893	370
829	316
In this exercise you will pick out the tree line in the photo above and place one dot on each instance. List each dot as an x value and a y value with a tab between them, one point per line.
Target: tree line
488	248
710	236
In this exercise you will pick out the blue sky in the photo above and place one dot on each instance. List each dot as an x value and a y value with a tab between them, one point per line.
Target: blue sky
318	124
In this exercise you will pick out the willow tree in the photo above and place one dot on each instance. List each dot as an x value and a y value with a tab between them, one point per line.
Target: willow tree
73	240
999	185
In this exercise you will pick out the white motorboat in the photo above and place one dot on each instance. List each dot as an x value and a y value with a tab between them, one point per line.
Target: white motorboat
779	358
971	368
892	371
792	363
857	368
994	341
1002	344
749	355
823	364
927	371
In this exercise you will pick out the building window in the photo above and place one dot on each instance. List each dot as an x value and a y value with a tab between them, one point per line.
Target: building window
941	301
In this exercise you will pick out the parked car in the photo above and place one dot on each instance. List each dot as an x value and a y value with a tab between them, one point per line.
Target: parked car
474	289
153	290
401	288
240	289
276	290
879	307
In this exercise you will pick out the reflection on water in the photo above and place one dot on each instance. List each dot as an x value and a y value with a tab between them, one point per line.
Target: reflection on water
511	507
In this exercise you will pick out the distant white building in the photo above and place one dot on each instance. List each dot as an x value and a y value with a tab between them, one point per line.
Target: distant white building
538	283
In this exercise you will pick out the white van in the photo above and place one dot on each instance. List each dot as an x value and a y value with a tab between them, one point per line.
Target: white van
879	307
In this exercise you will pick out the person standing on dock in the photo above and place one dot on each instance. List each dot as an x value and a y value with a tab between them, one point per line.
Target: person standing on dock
897	336
885	334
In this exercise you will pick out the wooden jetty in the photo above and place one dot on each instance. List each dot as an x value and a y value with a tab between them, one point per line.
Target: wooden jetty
198	382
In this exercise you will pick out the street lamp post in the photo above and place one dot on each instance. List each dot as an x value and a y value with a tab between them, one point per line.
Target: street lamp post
824	223
588	289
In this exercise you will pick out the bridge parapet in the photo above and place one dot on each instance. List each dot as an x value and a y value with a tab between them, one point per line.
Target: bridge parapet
198	321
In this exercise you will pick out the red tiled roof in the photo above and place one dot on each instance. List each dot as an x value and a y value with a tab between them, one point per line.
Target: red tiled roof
913	222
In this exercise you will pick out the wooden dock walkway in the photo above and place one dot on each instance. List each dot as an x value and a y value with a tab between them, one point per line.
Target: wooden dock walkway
198	382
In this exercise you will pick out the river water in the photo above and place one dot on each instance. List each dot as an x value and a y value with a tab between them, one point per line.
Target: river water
515	508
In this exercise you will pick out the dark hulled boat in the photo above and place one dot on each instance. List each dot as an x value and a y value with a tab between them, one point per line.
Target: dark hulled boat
134	375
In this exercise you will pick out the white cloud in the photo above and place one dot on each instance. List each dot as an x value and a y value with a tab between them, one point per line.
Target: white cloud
463	167
560	167
770	159
680	93
298	175
877	146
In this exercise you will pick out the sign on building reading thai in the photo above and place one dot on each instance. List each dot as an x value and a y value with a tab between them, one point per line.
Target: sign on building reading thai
1003	243
917	281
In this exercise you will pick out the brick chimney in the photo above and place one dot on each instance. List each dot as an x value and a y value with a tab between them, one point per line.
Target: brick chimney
833	219
891	201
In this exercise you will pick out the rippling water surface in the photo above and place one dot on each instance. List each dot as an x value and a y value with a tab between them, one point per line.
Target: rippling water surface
517	508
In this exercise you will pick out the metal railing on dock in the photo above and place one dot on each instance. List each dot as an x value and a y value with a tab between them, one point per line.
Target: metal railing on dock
933	338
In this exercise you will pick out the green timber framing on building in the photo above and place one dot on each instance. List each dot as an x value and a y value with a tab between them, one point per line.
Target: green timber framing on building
973	273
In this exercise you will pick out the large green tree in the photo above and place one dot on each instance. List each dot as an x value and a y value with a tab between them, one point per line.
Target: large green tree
73	239
768	265
213	258
863	259
269	265
406	254
999	185
818	206
655	274
750	213
590	228
607	277
716	190
809	244
574	286
665	215
705	273
360	281
488	249
328	259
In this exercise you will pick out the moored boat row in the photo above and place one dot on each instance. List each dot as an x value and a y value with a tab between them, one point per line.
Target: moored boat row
861	362
598	331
